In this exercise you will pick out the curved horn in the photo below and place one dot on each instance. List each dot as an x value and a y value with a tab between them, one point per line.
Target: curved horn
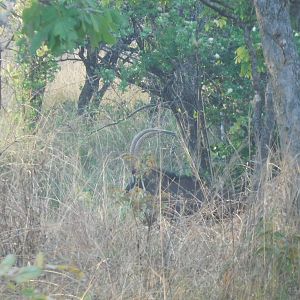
141	136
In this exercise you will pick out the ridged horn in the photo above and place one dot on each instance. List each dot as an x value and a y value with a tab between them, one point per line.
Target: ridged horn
140	137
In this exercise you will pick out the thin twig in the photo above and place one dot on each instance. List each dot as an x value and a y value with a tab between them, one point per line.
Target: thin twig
69	59
123	119
8	146
222	9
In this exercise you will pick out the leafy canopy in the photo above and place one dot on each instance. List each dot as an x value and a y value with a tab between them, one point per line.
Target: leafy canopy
63	25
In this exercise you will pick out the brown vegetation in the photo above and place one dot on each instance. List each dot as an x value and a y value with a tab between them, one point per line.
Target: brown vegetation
61	193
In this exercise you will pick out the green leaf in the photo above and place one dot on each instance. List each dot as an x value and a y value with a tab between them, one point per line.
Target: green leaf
220	22
62	28
7	264
36	42
30	17
195	114
108	37
95	23
27	273
31	293
242	55
65	29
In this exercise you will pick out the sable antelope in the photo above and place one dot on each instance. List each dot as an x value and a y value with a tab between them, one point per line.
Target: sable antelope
183	194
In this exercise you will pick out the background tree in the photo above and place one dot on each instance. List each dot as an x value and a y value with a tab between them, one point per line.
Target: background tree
35	72
249	56
85	25
188	71
283	63
174	59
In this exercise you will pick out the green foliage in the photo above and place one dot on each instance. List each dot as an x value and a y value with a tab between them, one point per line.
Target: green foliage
244	10
168	33
6	264
107	75
34	72
171	35
20	280
243	58
63	25
227	92
21	275
278	253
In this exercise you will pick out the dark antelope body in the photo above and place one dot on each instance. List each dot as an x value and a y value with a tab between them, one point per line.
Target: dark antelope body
181	194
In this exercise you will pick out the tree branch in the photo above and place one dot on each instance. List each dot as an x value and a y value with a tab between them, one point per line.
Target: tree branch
221	8
81	54
69	59
123	119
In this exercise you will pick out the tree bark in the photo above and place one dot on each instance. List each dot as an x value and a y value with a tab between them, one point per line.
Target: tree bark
267	132
93	64
182	93
283	63
91	83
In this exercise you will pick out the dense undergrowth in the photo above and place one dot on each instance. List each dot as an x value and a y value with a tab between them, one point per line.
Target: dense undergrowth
61	194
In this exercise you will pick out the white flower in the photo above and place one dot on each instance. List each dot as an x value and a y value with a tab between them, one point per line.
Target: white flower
254	29
211	40
229	91
217	56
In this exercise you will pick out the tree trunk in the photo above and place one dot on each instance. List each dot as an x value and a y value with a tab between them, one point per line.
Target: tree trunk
91	84
283	64
93	64
182	94
267	132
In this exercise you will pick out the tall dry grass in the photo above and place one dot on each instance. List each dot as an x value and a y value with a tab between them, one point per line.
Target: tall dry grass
61	193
